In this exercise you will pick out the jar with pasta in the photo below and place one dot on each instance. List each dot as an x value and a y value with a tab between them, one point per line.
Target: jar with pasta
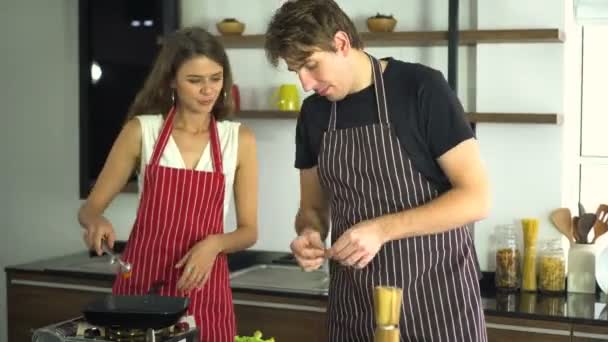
507	276
552	268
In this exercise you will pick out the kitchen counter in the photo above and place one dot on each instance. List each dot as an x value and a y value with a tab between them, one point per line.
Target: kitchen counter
571	308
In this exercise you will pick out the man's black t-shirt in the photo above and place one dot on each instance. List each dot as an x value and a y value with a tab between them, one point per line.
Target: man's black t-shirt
423	110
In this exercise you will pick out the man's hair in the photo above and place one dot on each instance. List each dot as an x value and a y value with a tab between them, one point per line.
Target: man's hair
301	27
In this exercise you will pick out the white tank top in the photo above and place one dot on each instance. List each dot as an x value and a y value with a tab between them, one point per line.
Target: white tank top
228	132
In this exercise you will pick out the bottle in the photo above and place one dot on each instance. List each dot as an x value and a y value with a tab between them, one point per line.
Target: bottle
236	98
507	277
552	268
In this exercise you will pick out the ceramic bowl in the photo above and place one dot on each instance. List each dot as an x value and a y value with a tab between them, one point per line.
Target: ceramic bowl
381	24
230	27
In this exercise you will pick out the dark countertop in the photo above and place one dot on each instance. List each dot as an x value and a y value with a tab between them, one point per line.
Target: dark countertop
571	308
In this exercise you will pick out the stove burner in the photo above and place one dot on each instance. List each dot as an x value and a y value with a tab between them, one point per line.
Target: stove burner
78	330
92	332
135	335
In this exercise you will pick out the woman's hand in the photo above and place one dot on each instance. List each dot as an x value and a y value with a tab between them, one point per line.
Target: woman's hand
197	264
97	230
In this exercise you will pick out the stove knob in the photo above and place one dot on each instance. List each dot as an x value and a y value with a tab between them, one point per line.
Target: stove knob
92	333
181	327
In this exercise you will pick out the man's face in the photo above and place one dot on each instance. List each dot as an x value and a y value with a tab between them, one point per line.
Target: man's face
325	72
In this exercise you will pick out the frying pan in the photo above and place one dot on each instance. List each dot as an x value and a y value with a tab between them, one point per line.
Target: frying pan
136	312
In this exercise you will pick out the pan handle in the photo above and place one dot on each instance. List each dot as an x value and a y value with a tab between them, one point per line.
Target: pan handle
156	286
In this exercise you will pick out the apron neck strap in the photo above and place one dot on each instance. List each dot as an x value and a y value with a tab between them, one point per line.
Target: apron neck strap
378	81
216	151
163	137
165	134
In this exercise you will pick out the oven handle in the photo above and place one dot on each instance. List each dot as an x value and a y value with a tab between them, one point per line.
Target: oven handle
49	284
271	305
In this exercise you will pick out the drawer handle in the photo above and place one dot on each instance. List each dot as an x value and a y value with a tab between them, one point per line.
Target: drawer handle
61	286
602	337
528	329
294	307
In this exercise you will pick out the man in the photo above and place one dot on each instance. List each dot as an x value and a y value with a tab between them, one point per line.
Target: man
388	160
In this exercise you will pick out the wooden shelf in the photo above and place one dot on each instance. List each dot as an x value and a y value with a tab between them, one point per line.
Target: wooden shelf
426	38
524	118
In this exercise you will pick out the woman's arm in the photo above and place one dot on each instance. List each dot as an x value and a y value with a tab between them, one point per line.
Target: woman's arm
116	171
245	197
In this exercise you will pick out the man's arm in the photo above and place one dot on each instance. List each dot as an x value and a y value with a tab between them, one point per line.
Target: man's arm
467	201
313	212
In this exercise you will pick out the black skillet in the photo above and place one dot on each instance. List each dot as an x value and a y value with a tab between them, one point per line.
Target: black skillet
150	311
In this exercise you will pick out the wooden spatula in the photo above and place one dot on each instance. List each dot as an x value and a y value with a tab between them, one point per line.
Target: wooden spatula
562	220
601	224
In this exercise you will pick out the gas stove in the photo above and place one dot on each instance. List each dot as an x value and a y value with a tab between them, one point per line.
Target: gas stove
78	330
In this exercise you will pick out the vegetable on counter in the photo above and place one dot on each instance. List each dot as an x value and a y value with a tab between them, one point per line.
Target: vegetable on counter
257	337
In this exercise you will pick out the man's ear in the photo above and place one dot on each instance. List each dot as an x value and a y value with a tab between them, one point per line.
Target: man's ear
342	43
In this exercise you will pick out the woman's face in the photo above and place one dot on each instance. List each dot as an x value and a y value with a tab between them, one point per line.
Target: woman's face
198	84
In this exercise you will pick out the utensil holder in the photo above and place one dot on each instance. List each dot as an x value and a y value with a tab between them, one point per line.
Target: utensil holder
581	268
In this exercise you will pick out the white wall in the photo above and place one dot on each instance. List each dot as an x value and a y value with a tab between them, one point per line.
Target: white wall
39	133
524	161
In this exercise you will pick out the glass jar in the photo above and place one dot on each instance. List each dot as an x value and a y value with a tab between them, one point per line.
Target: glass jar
552	268
507	277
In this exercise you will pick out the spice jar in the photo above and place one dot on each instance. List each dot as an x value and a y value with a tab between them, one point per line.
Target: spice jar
552	268
507	277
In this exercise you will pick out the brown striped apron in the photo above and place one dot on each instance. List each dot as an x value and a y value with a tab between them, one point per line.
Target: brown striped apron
178	208
367	174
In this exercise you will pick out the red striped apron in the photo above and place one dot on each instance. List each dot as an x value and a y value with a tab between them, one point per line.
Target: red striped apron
178	208
368	174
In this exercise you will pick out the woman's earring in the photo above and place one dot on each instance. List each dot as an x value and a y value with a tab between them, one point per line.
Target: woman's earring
173	97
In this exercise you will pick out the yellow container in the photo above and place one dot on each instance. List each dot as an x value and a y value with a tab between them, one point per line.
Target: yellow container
530	232
387	334
387	305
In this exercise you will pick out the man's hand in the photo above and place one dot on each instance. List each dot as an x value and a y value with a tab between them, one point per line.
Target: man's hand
308	249
359	244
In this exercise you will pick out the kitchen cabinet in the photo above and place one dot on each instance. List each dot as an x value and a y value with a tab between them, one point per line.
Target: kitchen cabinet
589	333
35	300
286	318
506	329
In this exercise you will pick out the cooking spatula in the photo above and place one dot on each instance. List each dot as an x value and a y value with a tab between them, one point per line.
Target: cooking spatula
562	220
601	224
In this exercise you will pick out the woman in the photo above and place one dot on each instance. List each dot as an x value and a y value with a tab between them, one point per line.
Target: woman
189	159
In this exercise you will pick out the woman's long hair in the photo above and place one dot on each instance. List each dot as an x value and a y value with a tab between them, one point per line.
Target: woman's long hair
156	95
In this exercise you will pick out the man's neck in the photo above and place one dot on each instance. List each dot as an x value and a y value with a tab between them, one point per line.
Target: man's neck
362	68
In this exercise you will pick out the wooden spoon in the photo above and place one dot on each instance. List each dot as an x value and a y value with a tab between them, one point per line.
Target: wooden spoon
562	220
601	224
